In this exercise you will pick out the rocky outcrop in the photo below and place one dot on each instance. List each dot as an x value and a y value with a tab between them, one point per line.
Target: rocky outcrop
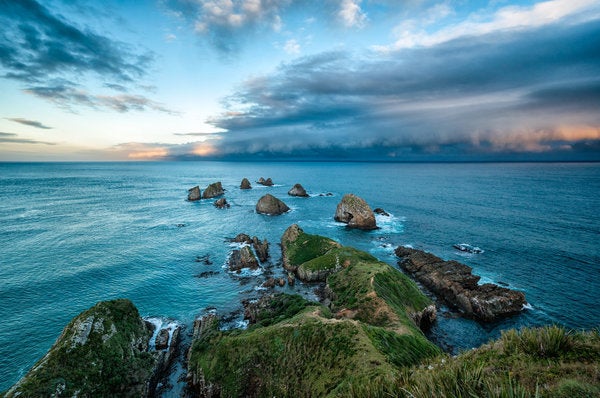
270	205
204	328
355	212
242	258
102	352
298	190
455	283
260	247
272	282
213	190
381	212
221	203
426	318
268	182
245	184
194	194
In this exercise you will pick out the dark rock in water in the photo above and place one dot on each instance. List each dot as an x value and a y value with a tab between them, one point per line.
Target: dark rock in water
242	238
465	247
381	212
105	343
213	190
268	182
194	193
291	279
221	203
242	258
298	190
454	282
269	204
206	274
281	282
245	184
261	249
425	318
162	340
180	225
203	259
355	212
269	283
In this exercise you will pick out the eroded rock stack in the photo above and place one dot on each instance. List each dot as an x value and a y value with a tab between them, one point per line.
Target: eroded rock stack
298	190
269	204
194	194
245	184
355	212
213	190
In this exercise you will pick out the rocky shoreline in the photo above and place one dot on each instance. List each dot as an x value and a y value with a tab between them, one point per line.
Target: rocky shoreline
366	328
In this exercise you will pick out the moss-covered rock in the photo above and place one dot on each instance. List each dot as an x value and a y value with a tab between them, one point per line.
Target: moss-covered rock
102	352
298	247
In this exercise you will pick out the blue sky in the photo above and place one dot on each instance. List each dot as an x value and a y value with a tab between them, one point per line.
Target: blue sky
411	80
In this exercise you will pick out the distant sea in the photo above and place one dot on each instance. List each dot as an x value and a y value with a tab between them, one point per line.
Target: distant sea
72	234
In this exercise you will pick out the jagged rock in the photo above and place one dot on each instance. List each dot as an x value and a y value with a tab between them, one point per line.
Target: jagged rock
242	238
269	204
281	282
382	212
355	212
194	193
242	258
245	184
298	190
261	249
268	182
269	283
196	381
83	357
206	274
162	339
221	203
455	283
291	279
425	318
213	190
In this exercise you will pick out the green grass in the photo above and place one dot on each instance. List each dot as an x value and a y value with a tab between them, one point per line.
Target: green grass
307	247
281	307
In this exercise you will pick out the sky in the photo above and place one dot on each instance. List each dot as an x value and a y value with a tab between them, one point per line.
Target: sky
349	80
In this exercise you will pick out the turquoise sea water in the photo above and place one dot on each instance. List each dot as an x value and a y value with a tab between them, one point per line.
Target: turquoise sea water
73	234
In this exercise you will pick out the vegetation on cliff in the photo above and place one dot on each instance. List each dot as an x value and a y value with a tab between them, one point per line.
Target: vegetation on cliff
102	352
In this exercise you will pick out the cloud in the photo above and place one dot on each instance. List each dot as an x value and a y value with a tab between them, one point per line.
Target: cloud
36	43
52	56
350	13
27	122
532	91
411	33
206	135
11	138
67	96
292	47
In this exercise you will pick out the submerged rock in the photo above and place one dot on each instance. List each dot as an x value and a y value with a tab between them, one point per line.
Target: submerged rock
221	203
355	212
213	190
455	283
298	190
194	194
269	204
245	184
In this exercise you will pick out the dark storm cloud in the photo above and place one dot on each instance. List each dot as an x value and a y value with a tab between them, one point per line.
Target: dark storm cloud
506	92
27	122
51	55
10	138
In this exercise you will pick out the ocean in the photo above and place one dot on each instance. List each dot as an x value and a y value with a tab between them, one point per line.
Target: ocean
73	234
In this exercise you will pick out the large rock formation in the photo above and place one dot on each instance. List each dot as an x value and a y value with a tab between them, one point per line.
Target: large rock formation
355	212
102	352
213	190
298	190
298	248
245	184
269	204
268	182
242	258
454	282
194	193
